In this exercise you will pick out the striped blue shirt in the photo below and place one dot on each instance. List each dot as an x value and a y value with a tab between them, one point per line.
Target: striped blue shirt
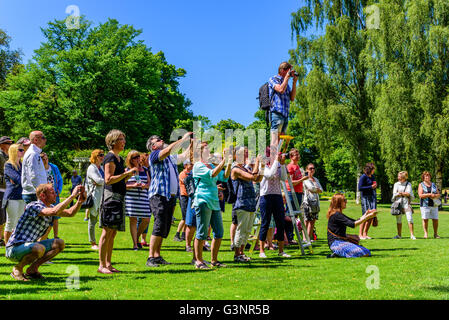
160	175
280	102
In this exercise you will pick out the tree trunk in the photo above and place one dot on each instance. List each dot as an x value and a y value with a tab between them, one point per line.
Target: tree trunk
439	166
357	197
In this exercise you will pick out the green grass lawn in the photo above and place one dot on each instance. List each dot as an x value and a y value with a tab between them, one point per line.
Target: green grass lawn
407	269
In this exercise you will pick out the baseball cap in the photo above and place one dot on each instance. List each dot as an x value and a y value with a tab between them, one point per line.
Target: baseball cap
6	140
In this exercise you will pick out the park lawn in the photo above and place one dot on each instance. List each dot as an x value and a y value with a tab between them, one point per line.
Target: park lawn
406	269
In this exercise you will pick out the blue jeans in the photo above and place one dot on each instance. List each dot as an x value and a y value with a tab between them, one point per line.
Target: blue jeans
205	217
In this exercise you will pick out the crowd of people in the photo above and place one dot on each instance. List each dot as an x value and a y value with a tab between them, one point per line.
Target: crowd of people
148	184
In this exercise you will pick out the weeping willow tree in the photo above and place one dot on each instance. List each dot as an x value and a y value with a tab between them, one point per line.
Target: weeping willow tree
410	56
334	92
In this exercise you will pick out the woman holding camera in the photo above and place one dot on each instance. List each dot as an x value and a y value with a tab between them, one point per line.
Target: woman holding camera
136	199
95	185
312	190
113	204
340	243
403	193
428	193
207	205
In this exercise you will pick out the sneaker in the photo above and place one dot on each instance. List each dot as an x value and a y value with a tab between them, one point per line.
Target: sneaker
151	262
86	219
240	258
183	237
95	247
397	237
232	247
161	260
412	237
246	257
189	249
293	242
48	262
332	255
177	238
262	255
283	254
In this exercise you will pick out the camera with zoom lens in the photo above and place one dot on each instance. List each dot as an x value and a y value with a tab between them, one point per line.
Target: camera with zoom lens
293	73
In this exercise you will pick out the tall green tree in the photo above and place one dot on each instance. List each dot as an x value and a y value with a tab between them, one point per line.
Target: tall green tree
410	51
83	82
333	92
9	62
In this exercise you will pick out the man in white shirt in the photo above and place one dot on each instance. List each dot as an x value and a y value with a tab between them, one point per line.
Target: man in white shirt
33	170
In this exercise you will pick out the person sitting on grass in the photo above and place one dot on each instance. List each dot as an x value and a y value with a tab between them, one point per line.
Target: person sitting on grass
23	245
340	243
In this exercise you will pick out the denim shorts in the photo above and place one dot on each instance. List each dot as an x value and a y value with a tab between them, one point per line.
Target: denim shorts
16	253
279	123
190	215
206	217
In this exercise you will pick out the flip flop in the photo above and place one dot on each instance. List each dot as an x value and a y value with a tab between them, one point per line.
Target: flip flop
34	276
20	277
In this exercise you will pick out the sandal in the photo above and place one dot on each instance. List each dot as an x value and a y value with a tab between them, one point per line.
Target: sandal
201	266
20	277
218	264
101	270
111	268
34	276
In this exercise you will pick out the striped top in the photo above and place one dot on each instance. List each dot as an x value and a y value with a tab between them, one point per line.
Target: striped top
136	199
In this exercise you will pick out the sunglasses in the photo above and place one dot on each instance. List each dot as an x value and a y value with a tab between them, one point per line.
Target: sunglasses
101	155
311	168
135	157
21	150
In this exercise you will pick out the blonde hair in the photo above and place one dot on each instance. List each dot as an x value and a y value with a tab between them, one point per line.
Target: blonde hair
336	204
112	137
131	154
94	155
404	174
12	154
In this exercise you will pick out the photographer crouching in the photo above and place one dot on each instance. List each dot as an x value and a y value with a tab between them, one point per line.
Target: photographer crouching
23	245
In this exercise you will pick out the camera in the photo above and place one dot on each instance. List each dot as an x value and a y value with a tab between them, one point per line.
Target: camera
293	73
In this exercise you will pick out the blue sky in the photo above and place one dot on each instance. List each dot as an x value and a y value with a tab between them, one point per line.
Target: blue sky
229	48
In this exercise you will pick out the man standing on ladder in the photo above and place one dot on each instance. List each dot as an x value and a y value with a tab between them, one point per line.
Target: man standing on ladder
281	94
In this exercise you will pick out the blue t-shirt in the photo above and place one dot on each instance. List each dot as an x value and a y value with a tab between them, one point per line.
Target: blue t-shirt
206	190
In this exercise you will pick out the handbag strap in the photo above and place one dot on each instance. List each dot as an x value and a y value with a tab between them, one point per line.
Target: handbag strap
339	237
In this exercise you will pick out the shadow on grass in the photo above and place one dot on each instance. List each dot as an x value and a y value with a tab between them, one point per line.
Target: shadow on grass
37	286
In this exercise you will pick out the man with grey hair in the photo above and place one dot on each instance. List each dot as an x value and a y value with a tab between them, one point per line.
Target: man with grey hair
163	191
33	170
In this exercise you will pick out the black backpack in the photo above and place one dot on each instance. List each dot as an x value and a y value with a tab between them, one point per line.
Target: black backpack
232	194
190	185
264	97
